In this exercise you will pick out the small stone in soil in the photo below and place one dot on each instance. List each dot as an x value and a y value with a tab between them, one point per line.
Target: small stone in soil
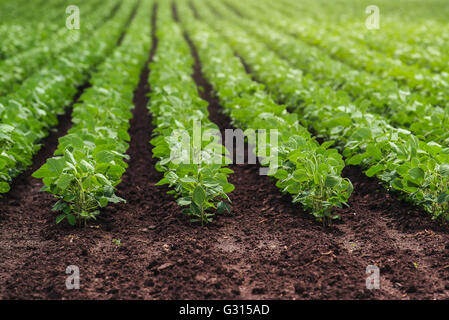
165	266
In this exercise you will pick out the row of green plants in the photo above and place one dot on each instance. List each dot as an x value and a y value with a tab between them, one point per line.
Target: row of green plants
186	142
402	106
27	116
310	172
17	68
90	160
418	170
348	50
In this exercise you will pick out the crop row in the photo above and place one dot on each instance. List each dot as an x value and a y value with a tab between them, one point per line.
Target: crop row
187	143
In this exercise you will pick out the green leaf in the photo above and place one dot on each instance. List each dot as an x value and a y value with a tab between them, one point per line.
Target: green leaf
444	170
194	209
397	184
103	202
184	201
374	170
362	133
60	218
327	144
61	206
71	219
6	128
43	172
171	177
222	207
104	156
228	188
300	175
293	188
4	187
56	165
71	140
188	180
199	196
108	191
64	181
443	198
69	158
227	170
87	167
374	151
281	174
162	182
115	199
355	160
115	171
331	181
416	173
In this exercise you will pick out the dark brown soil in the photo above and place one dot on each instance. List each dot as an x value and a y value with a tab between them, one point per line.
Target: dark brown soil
267	248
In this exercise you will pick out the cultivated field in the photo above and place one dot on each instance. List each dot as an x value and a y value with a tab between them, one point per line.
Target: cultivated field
227	149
